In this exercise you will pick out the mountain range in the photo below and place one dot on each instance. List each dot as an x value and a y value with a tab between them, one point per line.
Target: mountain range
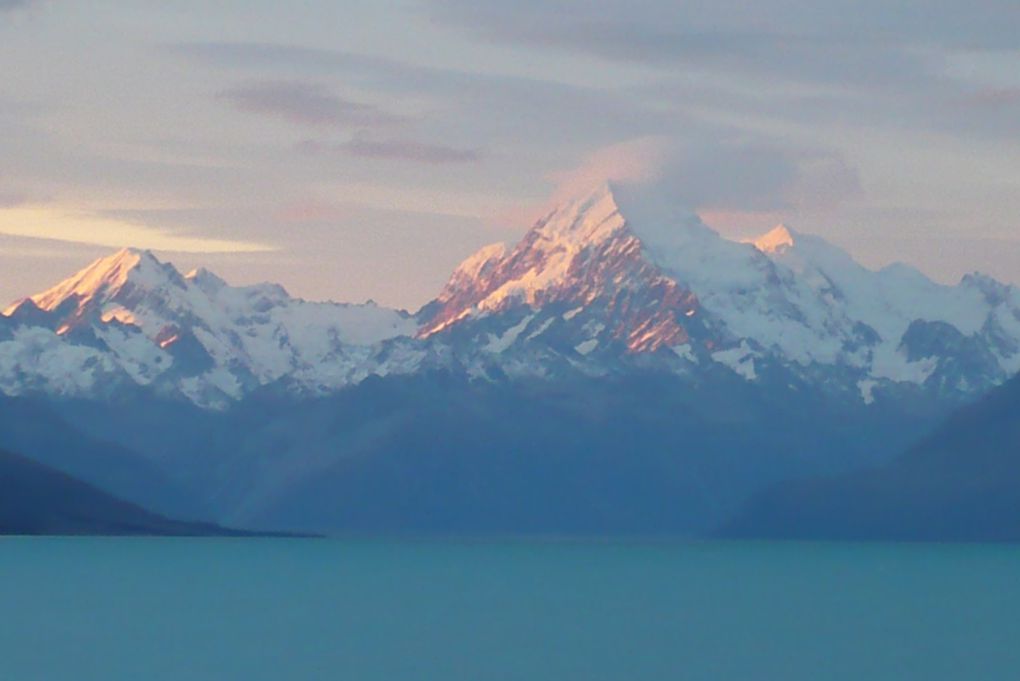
623	368
605	283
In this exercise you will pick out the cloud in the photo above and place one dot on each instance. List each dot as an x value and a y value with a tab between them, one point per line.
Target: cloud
394	149
265	55
823	180
10	199
409	150
875	22
13	4
864	42
993	98
744	175
305	104
485	107
632	162
88	228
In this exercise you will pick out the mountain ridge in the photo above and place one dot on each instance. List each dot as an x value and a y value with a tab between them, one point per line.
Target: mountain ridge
615	280
621	369
657	274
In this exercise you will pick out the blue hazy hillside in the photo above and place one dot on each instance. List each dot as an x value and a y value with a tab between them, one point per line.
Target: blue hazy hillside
640	454
959	483
38	500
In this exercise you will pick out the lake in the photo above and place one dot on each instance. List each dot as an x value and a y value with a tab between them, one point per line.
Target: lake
260	609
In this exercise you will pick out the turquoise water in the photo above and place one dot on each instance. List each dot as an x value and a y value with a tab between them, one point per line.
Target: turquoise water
153	609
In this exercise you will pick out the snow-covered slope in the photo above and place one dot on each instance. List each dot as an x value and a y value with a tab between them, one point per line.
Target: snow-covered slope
580	267
130	315
621	272
615	280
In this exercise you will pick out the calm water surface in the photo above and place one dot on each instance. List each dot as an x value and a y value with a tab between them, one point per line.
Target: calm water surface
152	609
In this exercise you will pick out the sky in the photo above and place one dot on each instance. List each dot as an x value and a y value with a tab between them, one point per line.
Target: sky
359	150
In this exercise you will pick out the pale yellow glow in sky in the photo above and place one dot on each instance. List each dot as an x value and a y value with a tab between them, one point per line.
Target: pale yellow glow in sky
45	222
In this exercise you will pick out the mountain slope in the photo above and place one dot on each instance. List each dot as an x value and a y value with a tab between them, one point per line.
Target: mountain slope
35	499
620	277
436	453
958	484
40	430
615	280
623	368
130	319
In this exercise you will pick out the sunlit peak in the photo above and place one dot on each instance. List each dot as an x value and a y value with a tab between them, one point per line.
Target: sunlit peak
775	240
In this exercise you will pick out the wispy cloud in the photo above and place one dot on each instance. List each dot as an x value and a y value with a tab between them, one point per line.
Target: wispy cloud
305	104
9	196
490	107
43	222
714	175
394	149
993	98
818	40
10	199
409	150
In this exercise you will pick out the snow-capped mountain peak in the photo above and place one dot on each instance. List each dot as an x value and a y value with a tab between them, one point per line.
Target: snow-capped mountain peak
775	240
105	279
617	278
588	254
626	266
206	280
587	219
475	267
195	335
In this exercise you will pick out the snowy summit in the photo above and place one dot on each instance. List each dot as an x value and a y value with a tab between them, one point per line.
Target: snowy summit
615	279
